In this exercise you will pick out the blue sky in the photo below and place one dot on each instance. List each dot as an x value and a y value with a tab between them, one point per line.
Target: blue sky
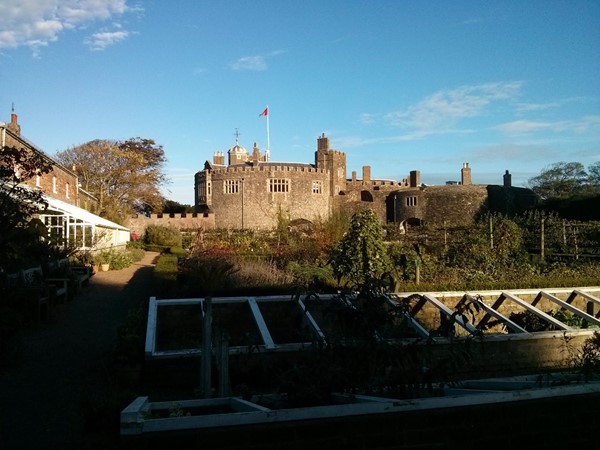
397	85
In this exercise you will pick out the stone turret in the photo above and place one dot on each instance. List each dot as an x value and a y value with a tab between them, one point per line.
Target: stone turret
332	161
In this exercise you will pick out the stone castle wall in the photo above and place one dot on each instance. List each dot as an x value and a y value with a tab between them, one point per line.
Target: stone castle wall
185	221
251	203
455	204
304	194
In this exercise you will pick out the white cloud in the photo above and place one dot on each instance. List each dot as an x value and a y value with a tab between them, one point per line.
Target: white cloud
367	119
585	124
99	41
527	107
255	63
444	109
36	23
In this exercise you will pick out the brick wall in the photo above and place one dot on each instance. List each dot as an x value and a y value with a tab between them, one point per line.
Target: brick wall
59	183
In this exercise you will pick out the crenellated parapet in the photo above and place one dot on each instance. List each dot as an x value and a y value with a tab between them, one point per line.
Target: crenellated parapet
269	167
181	221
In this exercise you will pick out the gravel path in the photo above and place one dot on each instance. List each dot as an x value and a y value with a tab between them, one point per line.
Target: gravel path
66	365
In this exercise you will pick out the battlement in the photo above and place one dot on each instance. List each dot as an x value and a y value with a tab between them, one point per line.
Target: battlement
175	215
270	167
182	221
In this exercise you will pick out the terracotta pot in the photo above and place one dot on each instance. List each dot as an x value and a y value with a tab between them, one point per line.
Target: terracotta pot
104	267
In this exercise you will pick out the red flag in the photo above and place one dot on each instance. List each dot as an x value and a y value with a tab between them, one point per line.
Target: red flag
265	112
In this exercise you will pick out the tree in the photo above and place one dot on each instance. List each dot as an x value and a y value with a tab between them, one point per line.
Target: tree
560	180
594	176
173	207
19	202
125	176
361	254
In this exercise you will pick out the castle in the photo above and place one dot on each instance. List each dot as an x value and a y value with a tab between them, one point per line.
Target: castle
250	191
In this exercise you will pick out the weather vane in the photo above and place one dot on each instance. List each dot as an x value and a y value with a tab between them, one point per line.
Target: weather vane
237	135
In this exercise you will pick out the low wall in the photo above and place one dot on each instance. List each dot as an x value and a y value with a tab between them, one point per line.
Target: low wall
186	221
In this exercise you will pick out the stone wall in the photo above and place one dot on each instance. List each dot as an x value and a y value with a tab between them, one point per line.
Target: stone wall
187	221
436	204
253	205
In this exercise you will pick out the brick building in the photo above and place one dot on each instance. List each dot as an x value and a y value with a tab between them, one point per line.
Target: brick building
69	216
253	192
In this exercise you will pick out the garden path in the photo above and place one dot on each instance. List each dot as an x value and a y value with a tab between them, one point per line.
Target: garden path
64	371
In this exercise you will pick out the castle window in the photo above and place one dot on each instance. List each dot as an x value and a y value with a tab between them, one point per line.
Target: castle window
231	186
208	188
317	187
279	185
411	201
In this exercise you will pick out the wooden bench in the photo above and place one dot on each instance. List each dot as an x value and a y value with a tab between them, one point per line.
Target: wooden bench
29	284
82	274
34	276
79	275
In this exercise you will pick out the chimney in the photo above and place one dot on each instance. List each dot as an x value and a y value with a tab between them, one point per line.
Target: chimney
353	175
366	173
507	179
465	175
14	124
415	178
219	158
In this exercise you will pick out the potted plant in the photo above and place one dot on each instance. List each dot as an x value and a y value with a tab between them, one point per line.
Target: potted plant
103	260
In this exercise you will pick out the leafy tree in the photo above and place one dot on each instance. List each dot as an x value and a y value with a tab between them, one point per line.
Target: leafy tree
594	176
173	207
361	254
560	180
125	176
19	202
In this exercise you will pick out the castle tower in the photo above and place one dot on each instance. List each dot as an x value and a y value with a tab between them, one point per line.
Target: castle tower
465	175
333	161
237	154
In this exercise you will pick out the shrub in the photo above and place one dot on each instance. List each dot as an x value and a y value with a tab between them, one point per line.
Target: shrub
165	274
161	235
136	254
177	251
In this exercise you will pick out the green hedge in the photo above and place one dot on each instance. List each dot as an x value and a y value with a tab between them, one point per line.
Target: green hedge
165	274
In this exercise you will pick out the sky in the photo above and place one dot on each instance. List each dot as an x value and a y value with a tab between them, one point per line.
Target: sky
398	85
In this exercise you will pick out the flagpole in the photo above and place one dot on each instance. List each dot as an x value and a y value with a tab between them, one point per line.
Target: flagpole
268	136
